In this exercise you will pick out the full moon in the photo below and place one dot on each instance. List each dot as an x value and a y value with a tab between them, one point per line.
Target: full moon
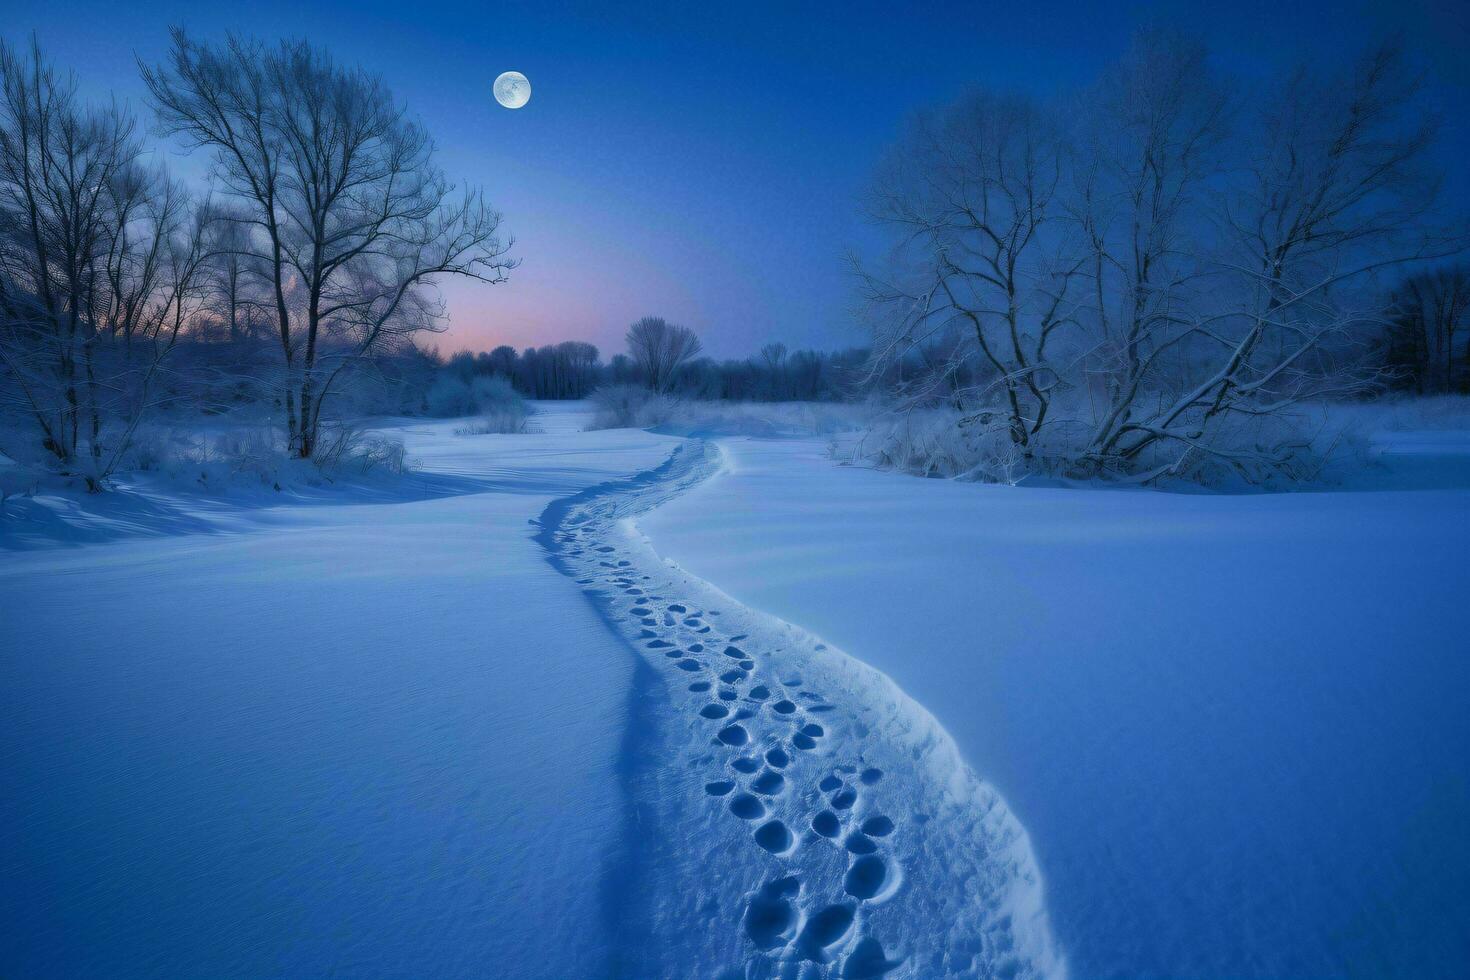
512	89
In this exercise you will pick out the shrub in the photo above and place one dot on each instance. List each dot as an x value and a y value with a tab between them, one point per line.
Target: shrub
630	407
499	406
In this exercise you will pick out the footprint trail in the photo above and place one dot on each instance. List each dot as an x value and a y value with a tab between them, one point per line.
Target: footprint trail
801	816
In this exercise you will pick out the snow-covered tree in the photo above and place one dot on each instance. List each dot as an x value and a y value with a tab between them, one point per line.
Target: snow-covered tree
347	212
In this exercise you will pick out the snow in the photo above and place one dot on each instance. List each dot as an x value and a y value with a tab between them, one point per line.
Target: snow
1233	727
575	704
793	809
351	738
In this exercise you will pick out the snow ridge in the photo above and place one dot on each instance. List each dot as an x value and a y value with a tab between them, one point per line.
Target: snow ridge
791	812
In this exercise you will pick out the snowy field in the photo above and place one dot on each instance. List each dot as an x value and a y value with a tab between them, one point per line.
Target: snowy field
1235	727
577	704
353	739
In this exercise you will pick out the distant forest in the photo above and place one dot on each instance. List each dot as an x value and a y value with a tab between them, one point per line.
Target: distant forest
574	369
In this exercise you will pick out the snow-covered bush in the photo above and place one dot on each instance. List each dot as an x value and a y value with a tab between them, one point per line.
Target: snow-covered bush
499	406
450	397
630	407
939	443
768	419
1270	452
349	448
215	456
247	455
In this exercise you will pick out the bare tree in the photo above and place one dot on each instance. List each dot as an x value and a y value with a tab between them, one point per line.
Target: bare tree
1336	188
1213	267
1150	142
1429	311
660	349
346	210
773	362
980	271
69	187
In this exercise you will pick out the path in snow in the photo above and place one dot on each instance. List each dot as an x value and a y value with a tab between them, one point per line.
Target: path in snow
791	811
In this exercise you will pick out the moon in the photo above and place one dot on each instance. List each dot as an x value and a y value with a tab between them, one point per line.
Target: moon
512	89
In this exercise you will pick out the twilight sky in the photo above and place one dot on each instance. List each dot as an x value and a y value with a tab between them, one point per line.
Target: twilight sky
705	164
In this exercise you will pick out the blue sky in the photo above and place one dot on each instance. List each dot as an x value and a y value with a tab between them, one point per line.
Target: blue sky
705	162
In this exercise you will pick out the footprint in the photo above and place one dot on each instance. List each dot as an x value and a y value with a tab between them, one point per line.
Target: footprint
826	824
813	730
871	776
769	918
768	783
778	758
760	692
824	929
774	837
803	742
859	844
747	807
700	686
829	783
745	764
735	653
868	961
714	710
844	799
866	876
688	664
719	787
783	707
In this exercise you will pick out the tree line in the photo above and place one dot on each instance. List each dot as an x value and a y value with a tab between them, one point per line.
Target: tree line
664	357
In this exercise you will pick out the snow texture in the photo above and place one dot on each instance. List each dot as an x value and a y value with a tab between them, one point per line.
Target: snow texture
1234	727
328	737
791	806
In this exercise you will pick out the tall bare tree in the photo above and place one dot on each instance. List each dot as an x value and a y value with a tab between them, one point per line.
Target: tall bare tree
980	271
661	349
68	186
1336	187
1212	263
346	209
